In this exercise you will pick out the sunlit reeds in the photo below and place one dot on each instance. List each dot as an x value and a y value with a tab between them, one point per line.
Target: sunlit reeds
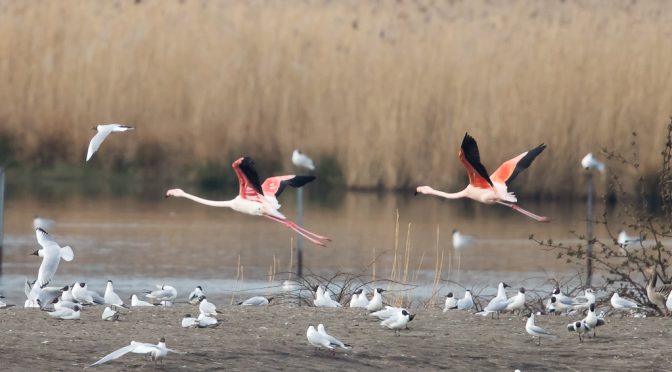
386	88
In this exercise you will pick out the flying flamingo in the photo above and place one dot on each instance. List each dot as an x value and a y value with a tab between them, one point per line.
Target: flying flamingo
489	189
258	199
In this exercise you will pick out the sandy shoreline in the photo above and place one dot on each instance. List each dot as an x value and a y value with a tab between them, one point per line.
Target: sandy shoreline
273	338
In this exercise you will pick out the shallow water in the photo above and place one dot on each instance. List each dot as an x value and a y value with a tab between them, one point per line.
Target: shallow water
140	242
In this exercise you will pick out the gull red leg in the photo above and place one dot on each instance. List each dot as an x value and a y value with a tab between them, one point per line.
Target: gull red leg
525	212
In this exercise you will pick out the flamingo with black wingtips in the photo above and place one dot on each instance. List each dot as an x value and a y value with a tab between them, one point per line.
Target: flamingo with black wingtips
494	188
257	199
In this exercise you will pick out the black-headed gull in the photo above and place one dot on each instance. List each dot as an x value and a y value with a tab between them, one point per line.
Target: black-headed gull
621	303
359	299
256	301
387	312
516	302
592	320
498	303
376	302
323	298
156	352
535	330
332	340
111	297
207	308
320	340
451	302
580	327
164	293
51	254
202	321
398	321
195	295
104	130
589	163
82	294
302	160
66	314
109	314
136	302
466	302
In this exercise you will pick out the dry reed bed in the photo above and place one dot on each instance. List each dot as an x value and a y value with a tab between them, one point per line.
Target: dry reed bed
387	88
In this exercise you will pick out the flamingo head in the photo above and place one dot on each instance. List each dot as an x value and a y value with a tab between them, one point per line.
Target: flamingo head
175	192
423	190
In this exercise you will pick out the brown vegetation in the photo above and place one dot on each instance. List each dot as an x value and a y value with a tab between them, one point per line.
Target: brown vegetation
385	88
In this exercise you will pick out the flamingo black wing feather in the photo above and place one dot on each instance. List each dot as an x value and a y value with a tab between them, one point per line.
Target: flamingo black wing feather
525	162
247	166
470	150
295	182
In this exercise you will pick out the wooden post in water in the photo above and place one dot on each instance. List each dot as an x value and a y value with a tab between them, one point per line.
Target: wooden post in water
589	230
299	238
2	214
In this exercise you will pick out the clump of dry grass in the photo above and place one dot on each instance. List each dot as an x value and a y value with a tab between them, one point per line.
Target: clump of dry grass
385	88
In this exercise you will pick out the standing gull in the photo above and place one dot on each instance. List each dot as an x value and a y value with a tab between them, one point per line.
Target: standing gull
516	302
332	340
621	303
111	297
580	327
376	302
398	321
535	330
592	320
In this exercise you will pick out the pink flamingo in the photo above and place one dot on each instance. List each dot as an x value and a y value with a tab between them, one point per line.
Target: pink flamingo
258	199
489	189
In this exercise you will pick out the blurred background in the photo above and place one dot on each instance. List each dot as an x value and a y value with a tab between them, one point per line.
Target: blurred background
378	93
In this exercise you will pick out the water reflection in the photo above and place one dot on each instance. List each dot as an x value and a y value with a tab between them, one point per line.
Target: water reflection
158	237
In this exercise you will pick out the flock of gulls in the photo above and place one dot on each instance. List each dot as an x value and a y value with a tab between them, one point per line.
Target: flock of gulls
260	199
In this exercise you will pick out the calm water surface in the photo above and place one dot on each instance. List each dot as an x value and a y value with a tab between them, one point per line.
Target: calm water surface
135	240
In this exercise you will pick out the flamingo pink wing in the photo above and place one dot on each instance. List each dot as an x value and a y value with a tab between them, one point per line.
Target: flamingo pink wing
508	171
273	184
248	180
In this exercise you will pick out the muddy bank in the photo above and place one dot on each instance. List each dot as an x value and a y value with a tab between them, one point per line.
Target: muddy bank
273	338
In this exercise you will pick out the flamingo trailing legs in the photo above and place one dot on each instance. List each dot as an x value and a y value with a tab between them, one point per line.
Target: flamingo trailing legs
258	199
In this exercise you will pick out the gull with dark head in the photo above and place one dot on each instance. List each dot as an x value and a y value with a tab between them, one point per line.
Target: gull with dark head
155	352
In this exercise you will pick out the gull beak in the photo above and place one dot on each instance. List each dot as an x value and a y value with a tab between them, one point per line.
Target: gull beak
35	253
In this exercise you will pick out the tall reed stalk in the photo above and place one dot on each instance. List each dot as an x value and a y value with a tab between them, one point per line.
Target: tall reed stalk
196	77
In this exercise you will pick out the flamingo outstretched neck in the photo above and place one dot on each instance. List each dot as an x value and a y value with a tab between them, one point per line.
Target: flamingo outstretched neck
489	189
257	199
